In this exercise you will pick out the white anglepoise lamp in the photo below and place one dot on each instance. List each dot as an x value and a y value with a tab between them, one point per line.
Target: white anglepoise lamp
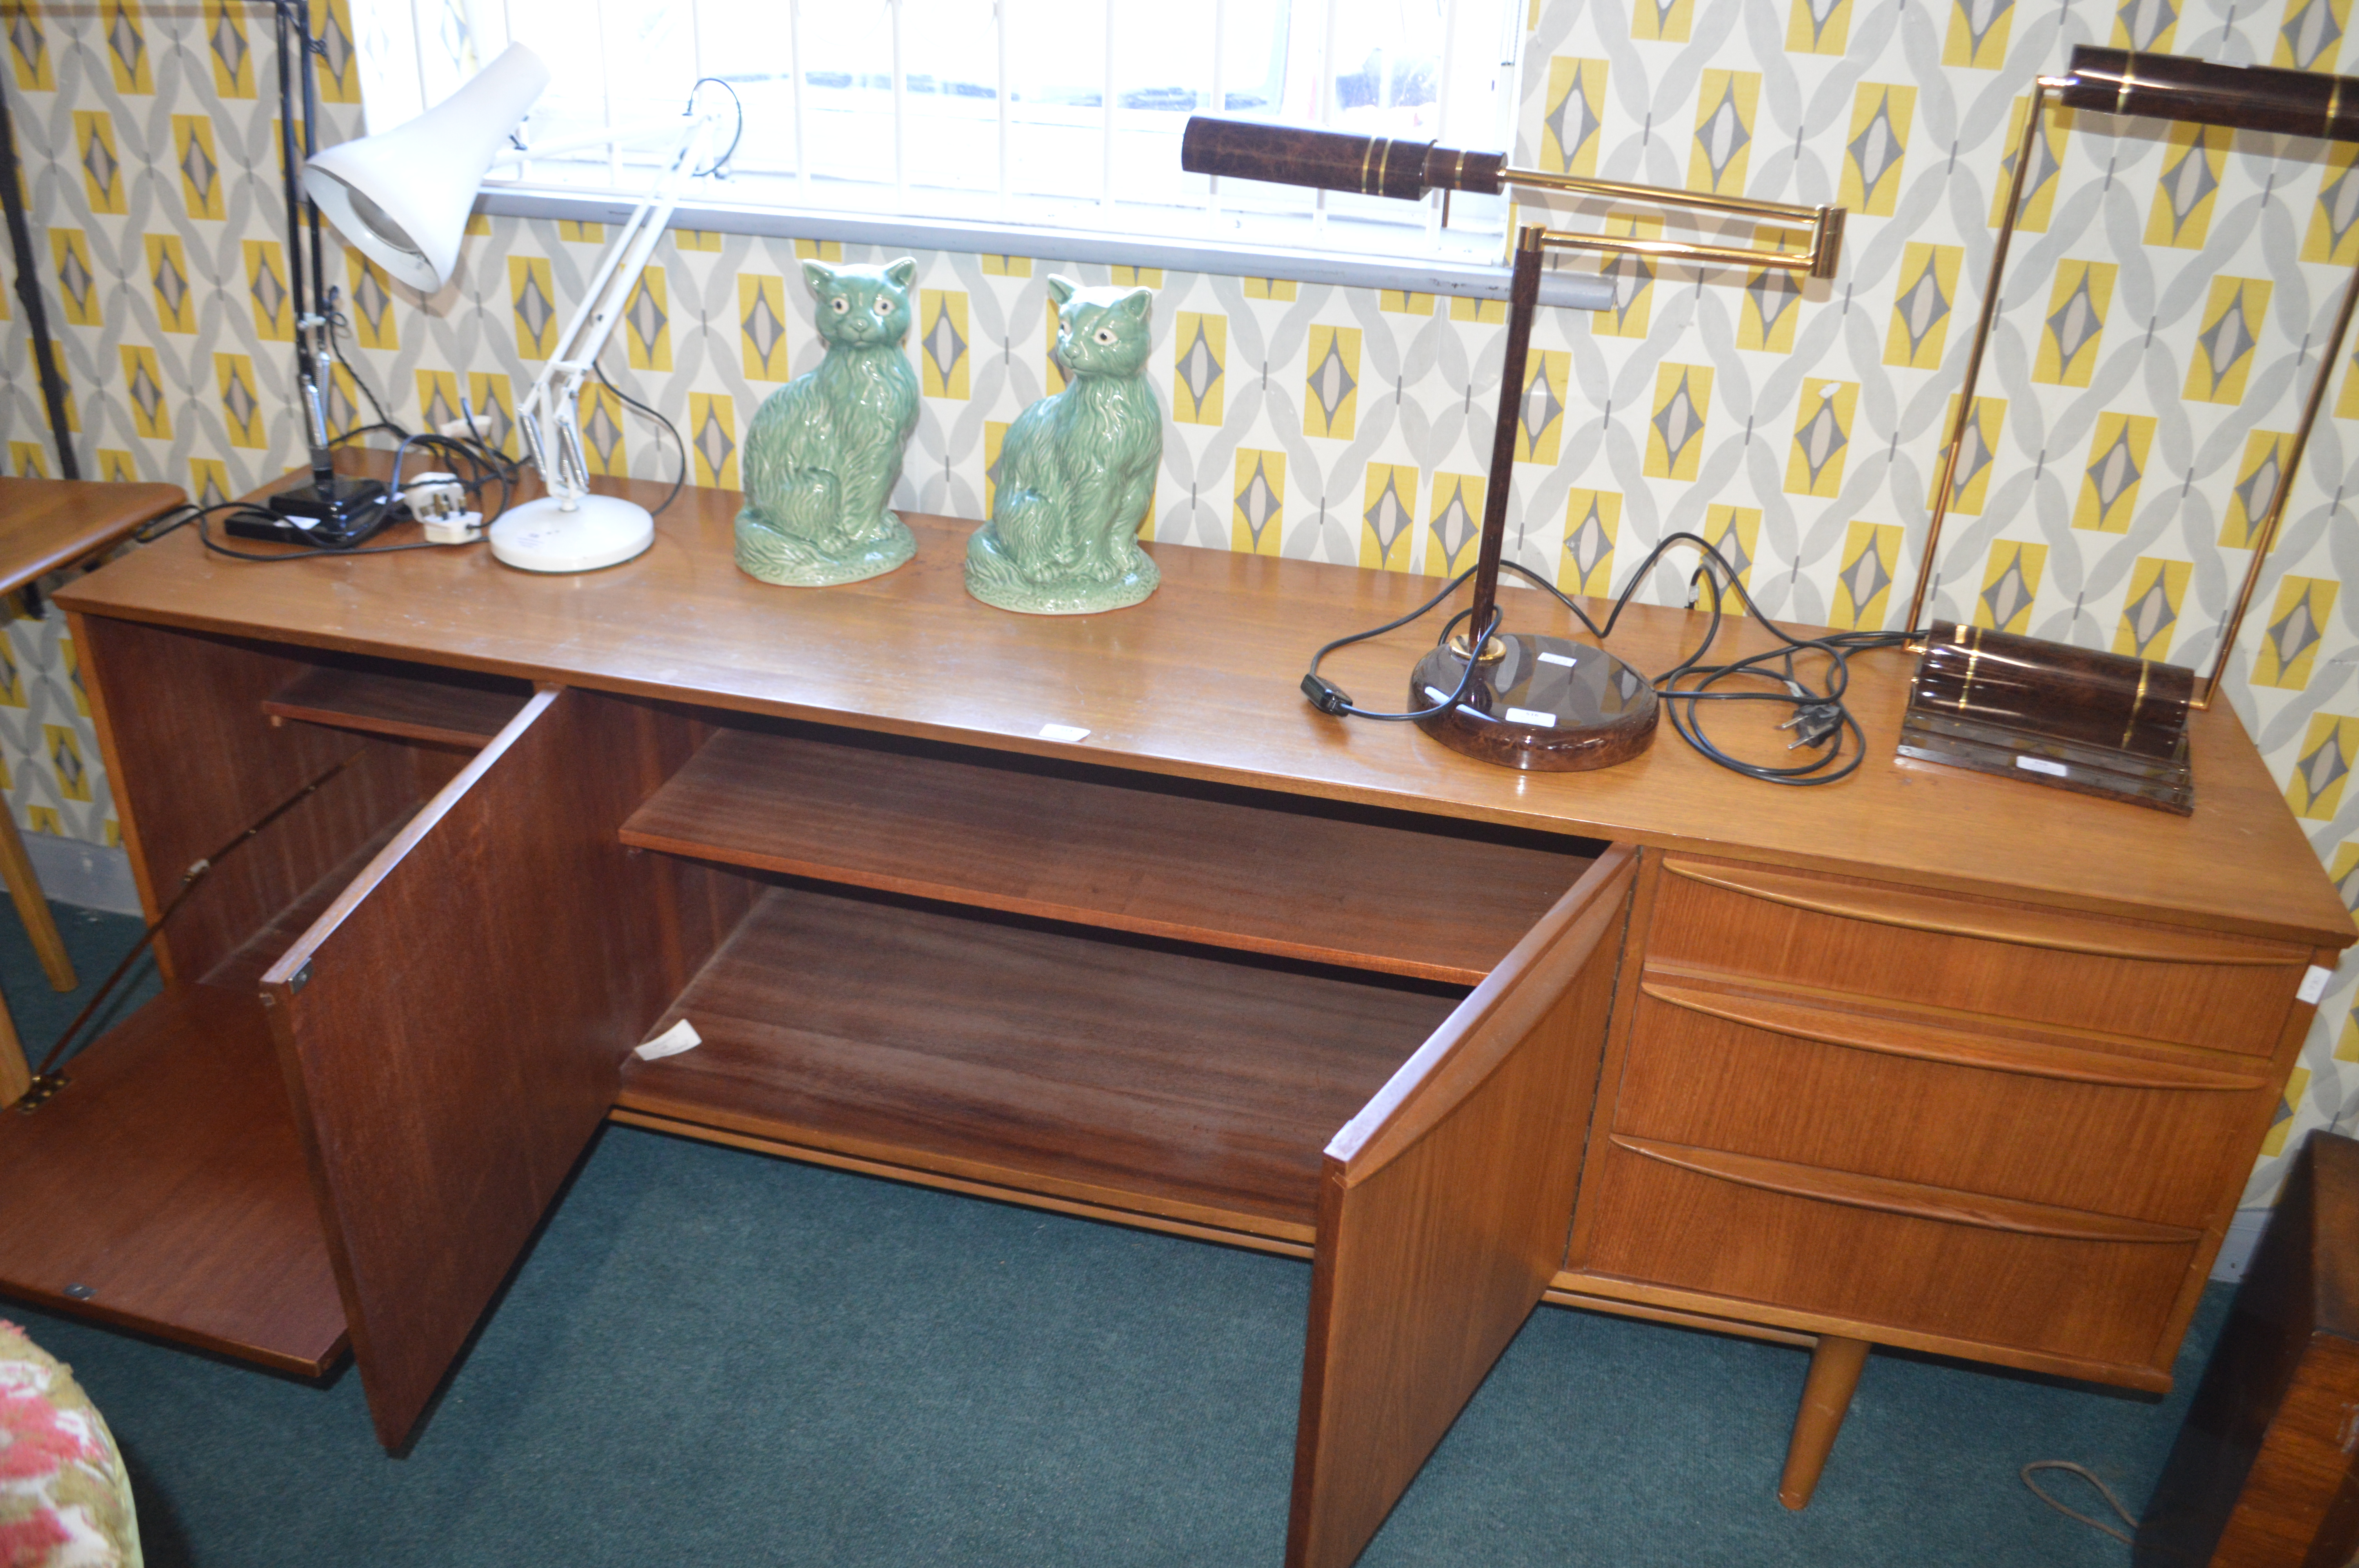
404	197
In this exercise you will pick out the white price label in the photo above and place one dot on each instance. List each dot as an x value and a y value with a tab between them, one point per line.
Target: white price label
1068	733
2313	983
1531	716
680	1036
2042	765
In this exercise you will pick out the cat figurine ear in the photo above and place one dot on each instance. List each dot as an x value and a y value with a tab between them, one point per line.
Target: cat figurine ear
819	275
1062	289
903	271
1135	302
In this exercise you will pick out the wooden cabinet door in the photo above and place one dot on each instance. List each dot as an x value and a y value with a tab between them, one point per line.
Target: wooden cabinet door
453	1029
1443	1210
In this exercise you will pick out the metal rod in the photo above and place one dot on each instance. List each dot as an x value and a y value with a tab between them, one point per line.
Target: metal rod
1440	107
900	109
1681	250
1220	102
795	68
1658	195
999	40
2265	535
28	295
1523	294
2025	151
1106	106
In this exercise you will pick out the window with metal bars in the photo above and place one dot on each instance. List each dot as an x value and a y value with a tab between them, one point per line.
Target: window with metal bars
1010	121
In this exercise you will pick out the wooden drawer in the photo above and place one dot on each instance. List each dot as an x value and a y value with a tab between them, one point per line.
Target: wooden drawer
1952	1100
1912	1256
1983	955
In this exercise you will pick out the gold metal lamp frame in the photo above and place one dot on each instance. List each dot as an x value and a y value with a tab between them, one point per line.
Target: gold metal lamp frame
2170	87
1517	711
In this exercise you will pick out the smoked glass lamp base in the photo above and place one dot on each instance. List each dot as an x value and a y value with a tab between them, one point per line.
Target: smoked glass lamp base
1544	704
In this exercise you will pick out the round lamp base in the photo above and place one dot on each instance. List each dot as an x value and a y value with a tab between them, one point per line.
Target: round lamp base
1542	704
600	531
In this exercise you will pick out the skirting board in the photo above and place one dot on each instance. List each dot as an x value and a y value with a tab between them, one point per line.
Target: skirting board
2236	1247
91	876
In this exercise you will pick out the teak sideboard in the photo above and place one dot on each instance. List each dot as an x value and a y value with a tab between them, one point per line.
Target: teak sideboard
1924	1059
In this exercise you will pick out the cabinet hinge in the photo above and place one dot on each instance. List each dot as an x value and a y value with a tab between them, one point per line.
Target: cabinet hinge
301	977
40	1091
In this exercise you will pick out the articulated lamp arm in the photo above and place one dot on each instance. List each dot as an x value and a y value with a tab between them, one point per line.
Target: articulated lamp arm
556	396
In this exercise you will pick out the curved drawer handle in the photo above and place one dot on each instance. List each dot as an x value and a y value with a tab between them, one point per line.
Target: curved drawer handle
1912	1199
1914	911
1957	1048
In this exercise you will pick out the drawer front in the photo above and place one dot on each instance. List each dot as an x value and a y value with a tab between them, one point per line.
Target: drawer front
1984	955
2006	1112
1853	1249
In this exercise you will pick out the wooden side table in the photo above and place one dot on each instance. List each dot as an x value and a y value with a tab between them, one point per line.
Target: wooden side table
2264	1472
47	524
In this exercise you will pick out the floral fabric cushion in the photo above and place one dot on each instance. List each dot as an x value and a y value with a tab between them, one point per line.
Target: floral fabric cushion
65	1500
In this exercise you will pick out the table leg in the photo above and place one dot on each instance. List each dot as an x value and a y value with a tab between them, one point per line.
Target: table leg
14	1075
17	871
1826	1398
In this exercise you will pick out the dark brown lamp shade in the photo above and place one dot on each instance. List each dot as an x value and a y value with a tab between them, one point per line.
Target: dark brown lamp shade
2244	97
1372	166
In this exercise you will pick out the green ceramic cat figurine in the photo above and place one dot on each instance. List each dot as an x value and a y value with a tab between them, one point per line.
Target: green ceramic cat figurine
823	450
1076	471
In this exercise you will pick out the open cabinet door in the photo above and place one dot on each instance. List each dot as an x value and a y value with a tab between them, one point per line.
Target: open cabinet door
1443	1210
454	1027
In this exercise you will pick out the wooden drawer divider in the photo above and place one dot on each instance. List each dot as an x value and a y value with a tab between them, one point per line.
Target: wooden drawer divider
1953	916
1929	1041
1912	1199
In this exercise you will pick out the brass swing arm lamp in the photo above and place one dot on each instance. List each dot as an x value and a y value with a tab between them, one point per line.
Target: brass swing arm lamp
1563	736
2165	87
1374	166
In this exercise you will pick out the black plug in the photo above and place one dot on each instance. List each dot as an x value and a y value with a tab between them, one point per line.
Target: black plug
1814	724
1326	695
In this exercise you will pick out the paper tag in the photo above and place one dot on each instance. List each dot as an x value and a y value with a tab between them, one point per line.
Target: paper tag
1531	716
2313	984
2042	765
1435	694
1066	732
680	1036
1567	660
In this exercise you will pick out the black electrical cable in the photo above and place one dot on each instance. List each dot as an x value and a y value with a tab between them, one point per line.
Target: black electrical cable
337	322
670	429
488	471
717	165
1820	718
190	880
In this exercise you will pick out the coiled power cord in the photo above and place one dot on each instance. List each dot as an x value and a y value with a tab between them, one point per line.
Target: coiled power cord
1820	718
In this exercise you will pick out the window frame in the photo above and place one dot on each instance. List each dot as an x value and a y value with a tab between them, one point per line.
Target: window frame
396	69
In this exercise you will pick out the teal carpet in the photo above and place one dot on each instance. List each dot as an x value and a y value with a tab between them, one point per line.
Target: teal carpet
712	1356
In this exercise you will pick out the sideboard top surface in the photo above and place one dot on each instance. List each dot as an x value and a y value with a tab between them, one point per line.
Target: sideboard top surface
1201	680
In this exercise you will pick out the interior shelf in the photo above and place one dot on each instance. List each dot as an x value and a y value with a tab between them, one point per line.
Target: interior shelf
1299	878
448	709
1133	1074
173	1152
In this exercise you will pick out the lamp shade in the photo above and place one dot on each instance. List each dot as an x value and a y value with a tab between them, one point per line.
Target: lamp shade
403	196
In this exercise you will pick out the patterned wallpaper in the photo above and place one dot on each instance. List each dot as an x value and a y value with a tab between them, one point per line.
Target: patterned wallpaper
2165	307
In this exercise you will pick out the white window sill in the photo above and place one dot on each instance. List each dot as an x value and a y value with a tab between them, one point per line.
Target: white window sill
1581	291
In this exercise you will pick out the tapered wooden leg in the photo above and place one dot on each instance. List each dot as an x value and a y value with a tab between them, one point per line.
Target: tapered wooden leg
1826	1398
14	1075
17	871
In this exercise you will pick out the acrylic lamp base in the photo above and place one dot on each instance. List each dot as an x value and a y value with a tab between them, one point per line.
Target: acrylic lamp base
600	531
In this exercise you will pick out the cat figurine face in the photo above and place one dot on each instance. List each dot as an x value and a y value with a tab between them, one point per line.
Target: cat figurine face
862	307
1101	331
